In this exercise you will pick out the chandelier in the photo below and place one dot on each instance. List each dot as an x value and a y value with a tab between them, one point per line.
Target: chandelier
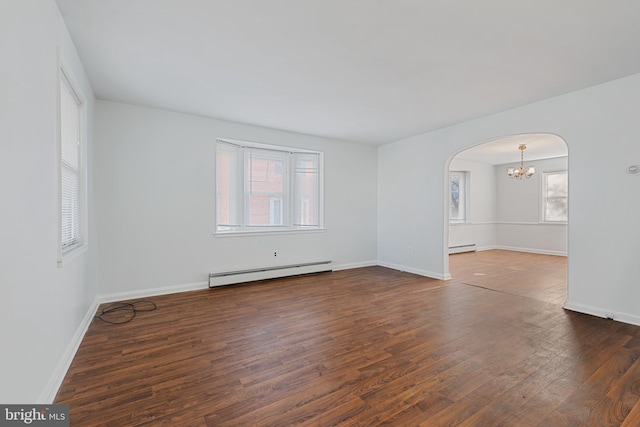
521	171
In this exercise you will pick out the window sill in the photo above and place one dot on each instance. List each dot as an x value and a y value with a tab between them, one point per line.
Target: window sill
266	233
72	254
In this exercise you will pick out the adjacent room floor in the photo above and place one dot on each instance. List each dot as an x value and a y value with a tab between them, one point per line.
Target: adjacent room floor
368	346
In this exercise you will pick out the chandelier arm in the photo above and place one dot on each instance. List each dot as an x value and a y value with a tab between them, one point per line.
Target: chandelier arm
518	173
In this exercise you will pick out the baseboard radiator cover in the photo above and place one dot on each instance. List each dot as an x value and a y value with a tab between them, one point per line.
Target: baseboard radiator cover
273	272
458	249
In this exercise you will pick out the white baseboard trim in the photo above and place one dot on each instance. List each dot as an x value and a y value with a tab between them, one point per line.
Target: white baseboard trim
49	393
602	312
417	271
354	265
145	293
486	248
532	251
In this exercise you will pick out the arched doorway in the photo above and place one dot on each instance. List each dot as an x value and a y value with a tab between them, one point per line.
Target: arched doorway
490	210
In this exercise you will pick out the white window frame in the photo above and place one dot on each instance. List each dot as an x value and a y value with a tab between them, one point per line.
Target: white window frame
287	198
69	249
463	199
543	197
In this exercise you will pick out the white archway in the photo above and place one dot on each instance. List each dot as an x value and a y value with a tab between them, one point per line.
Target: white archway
497	212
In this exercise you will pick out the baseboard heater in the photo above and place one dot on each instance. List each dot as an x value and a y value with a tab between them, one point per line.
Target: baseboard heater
458	249
241	276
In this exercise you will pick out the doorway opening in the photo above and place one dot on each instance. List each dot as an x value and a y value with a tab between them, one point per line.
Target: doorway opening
508	203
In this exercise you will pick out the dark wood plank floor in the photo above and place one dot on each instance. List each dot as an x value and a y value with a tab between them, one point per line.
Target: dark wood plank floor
365	347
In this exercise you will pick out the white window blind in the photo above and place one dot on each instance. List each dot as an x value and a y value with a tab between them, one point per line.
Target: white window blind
70	172
267	188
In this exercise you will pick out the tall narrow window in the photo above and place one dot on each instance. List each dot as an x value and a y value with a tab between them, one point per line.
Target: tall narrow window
229	190
306	185
267	188
555	194
71	172
458	196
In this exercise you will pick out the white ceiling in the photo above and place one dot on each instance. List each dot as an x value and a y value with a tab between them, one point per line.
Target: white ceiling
360	70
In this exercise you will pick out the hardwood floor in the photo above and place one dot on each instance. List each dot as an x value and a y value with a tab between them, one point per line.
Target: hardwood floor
364	347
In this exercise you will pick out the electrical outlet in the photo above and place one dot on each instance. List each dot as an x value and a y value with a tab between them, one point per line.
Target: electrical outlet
275	254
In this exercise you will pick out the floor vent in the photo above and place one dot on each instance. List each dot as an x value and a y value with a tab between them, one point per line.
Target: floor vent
241	276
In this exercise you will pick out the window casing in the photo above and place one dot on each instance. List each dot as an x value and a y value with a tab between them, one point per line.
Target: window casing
555	200
265	188
71	169
458	195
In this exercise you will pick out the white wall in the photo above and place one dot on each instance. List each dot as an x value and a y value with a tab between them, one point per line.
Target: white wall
600	127
155	186
44	307
519	212
480	227
410	201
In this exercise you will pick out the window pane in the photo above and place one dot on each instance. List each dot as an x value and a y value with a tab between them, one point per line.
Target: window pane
556	196
70	128
457	196
228	193
69	167
306	187
266	189
557	185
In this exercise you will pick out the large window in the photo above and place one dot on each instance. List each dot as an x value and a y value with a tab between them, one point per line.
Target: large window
458	184
71	169
267	188
555	196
